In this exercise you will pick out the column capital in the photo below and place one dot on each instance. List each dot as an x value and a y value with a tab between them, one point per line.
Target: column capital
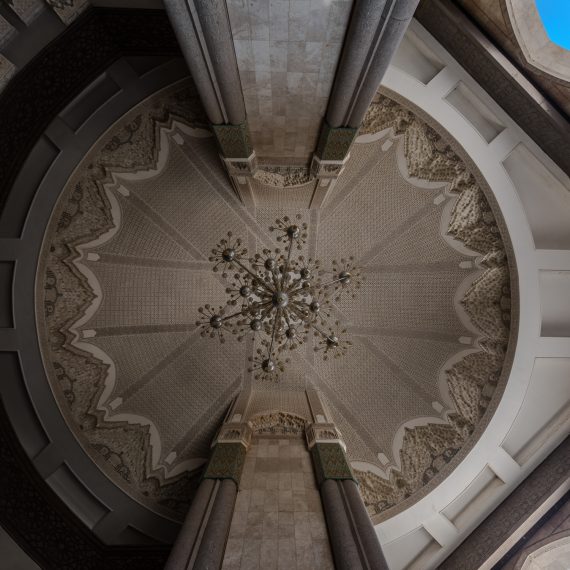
323	433
234	432
241	166
327	169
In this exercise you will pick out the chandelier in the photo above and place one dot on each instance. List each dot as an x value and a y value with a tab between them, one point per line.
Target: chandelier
279	299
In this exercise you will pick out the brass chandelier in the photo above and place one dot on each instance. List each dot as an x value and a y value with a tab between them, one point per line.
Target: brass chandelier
278	298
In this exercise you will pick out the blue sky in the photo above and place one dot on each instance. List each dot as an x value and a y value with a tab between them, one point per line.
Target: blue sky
555	16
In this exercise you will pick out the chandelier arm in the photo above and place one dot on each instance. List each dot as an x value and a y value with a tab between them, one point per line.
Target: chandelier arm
324	285
315	286
256	277
277	316
275	278
321	332
231	316
310	323
299	289
266	307
286	268
266	312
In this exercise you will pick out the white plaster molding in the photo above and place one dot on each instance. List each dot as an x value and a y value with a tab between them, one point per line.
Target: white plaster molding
487	451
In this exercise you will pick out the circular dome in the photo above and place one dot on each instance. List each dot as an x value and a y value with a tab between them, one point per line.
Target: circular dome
124	268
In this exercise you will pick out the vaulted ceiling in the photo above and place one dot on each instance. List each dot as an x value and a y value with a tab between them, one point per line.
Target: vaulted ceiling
125	267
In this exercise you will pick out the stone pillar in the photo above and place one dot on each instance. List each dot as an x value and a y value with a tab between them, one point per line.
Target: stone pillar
204	33
352	535
374	34
201	543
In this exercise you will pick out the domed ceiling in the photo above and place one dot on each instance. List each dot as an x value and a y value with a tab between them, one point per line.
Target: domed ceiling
125	267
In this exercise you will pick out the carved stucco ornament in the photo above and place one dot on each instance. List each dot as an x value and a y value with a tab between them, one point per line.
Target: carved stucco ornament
472	382
121	449
277	423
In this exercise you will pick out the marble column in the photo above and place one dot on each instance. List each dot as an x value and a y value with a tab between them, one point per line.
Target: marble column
375	31
204	34
201	543
353	538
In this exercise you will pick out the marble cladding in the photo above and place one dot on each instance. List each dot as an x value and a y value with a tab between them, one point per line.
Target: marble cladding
287	52
278	522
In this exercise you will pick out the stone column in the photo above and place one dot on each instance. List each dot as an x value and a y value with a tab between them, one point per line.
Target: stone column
202	539
353	538
375	31
204	33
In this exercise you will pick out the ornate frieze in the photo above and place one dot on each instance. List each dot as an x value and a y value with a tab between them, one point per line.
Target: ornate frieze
278	423
283	176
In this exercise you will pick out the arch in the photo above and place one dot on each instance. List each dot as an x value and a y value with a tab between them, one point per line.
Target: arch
538	49
555	548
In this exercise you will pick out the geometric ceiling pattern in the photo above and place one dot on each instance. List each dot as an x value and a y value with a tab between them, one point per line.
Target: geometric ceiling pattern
125	267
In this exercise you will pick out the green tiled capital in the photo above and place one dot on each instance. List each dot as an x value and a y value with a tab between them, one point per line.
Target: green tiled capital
334	143
226	462
233	140
330	462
